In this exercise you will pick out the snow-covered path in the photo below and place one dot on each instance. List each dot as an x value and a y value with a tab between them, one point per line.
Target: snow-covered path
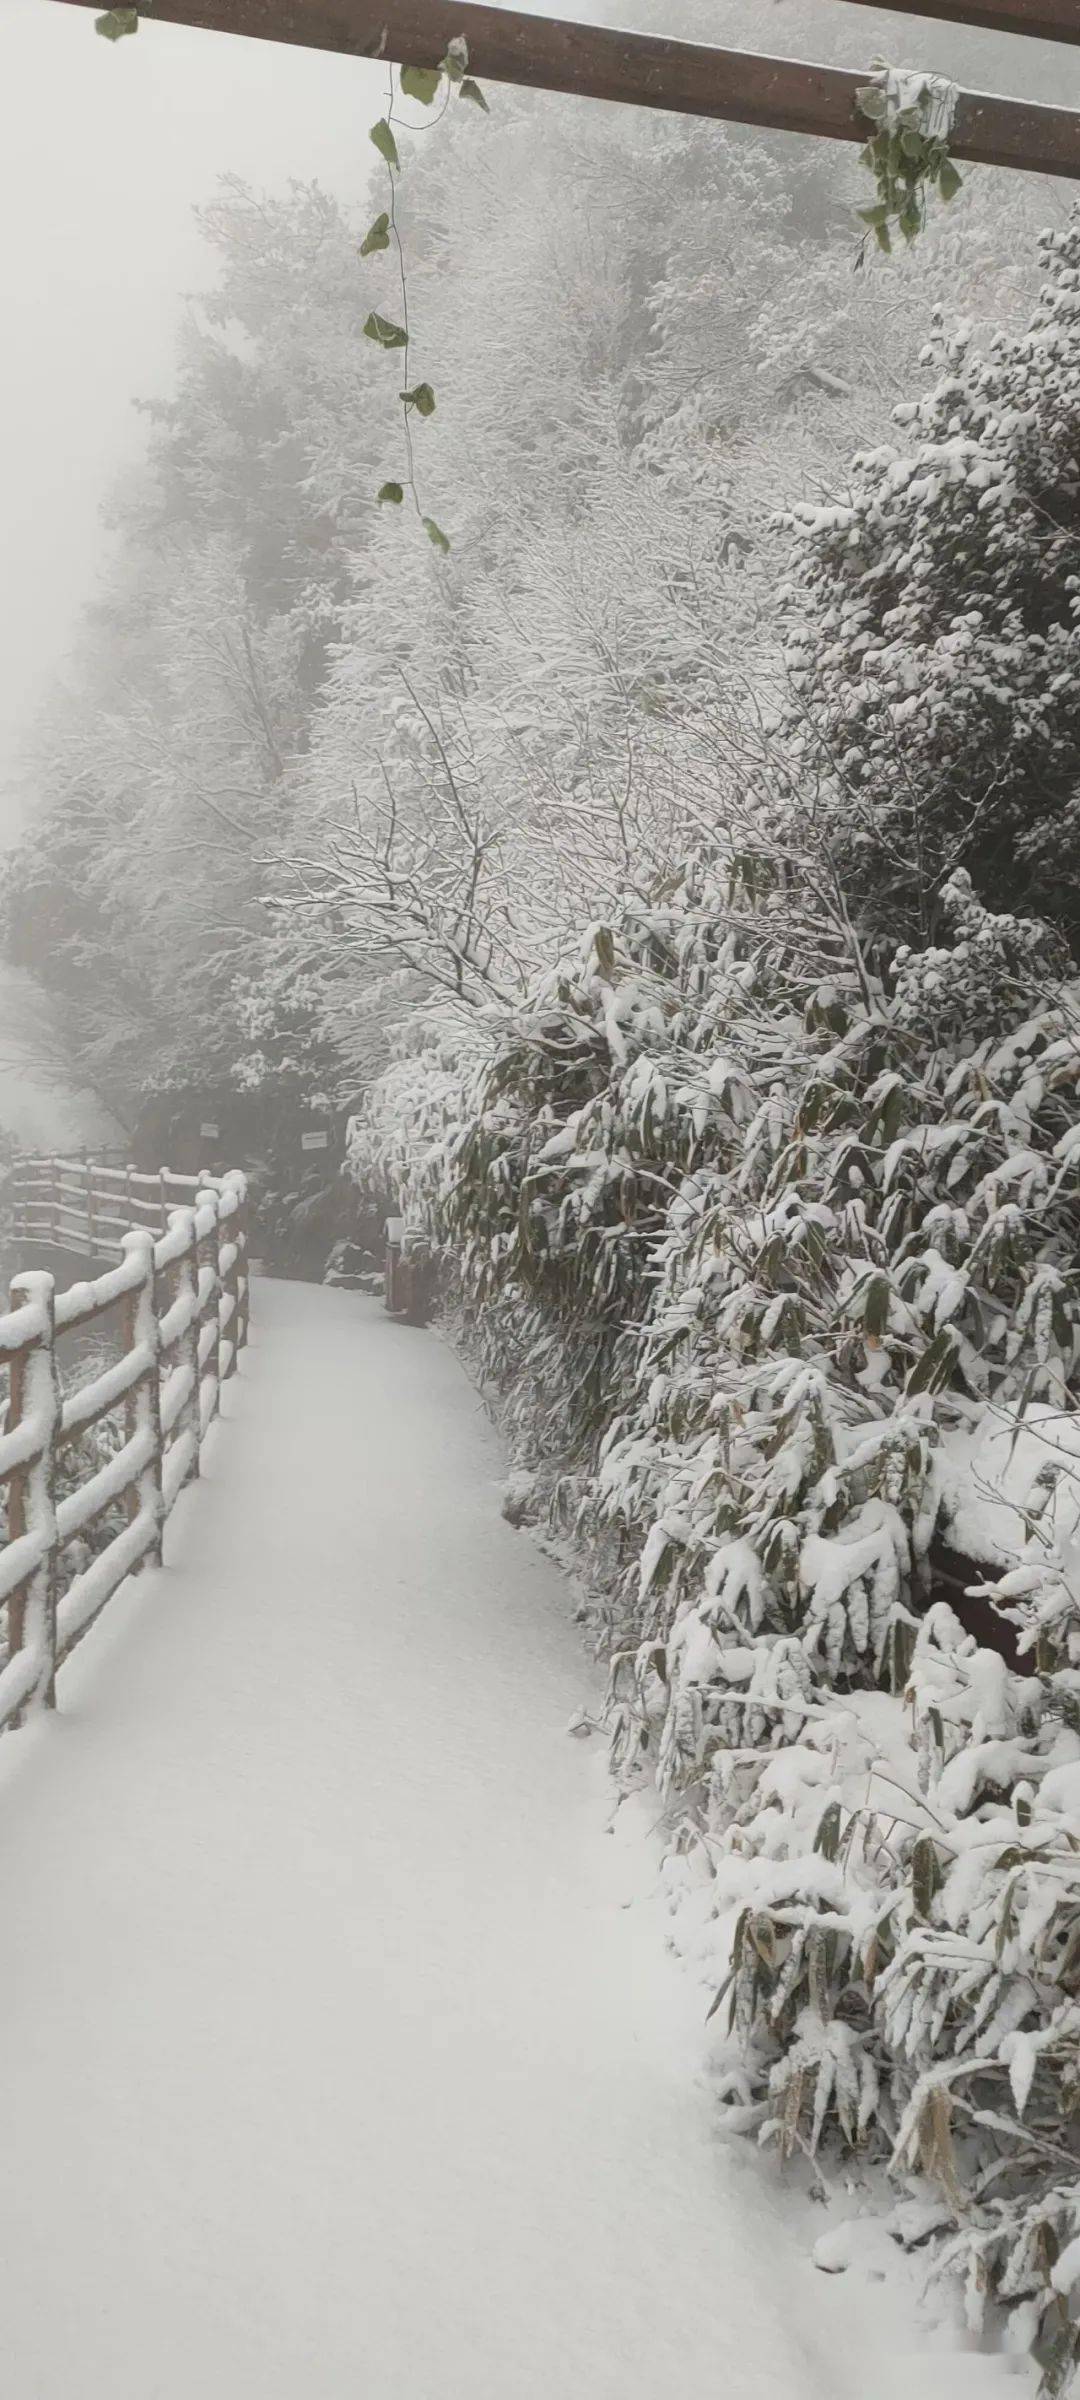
340	2058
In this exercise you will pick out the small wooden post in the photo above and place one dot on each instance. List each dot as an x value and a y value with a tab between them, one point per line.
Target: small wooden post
34	1393
393	1277
243	1276
206	1252
187	1289
231	1232
143	1411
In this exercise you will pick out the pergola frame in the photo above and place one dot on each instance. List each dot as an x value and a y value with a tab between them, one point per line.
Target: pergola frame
650	71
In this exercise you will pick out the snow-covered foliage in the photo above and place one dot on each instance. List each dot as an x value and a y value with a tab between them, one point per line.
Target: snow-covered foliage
645	338
763	1215
936	651
776	1286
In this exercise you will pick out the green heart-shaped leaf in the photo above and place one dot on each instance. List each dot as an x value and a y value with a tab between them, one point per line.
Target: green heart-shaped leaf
420	83
385	332
116	23
385	144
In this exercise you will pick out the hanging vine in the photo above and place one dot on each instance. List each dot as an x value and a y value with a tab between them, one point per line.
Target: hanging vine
423	84
908	150
413	83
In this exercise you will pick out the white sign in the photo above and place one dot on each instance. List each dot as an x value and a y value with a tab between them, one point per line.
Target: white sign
210	1133
314	1141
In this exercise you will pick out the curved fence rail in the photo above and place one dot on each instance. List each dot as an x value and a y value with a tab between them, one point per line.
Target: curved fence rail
87	1205
92	1456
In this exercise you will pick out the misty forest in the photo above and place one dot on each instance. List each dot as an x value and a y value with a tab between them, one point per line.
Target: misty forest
574	754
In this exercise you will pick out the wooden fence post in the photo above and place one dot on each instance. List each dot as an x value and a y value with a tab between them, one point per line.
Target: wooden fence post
243	1273
206	1252
187	1289
90	1206
143	1410
34	1393
230	1233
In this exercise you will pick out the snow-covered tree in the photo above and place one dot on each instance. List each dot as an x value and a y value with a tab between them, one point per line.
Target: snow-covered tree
936	646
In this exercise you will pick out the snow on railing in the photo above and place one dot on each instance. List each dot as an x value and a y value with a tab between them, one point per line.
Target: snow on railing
180	1294
86	1205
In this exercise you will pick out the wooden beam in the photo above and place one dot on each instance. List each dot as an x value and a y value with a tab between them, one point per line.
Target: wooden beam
1041	20
647	70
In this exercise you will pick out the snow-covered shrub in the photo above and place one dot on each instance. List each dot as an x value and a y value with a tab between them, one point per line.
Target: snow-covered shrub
935	652
773	1271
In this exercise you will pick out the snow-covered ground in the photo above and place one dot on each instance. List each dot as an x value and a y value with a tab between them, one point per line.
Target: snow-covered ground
340	2054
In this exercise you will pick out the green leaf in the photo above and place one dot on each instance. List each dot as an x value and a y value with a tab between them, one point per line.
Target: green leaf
385	144
377	236
901	1652
422	398
116	23
385	332
827	1837
420	83
721	1996
882	238
925	1875
934	1369
391	491
468	90
875	216
949	180
456	60
1060	2361
435	534
871	102
876	1299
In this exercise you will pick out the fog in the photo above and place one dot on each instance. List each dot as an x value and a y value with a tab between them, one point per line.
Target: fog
105	152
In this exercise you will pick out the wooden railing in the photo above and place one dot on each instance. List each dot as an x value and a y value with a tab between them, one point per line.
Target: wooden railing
86	1205
178	1303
